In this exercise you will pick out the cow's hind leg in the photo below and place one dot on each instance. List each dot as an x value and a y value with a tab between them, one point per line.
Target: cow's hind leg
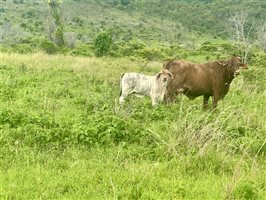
121	99
205	101
215	99
124	94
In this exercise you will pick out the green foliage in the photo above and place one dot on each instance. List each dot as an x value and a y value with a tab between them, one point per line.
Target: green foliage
23	25
83	50
102	44
151	23
22	48
65	119
246	190
59	37
139	49
59	27
54	4
125	2
18	1
78	20
31	12
48	46
59	117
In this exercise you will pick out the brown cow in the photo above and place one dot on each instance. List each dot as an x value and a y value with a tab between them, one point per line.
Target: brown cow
209	79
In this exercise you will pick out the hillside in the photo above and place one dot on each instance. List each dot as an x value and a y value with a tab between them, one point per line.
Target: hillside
185	24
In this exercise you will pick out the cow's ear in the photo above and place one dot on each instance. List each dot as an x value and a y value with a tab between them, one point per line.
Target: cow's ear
170	74
222	63
158	75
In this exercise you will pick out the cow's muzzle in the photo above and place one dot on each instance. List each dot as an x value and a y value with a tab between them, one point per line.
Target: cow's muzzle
237	72
244	66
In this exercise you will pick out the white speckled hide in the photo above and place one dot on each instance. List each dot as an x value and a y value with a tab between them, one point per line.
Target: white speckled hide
143	85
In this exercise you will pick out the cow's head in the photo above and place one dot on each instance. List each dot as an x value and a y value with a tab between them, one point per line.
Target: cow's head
234	65
164	76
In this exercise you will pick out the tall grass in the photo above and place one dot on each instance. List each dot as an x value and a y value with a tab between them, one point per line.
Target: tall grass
63	135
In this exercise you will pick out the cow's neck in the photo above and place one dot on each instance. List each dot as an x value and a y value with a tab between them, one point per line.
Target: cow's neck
229	76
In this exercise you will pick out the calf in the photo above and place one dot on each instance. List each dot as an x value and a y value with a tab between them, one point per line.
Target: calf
143	85
209	79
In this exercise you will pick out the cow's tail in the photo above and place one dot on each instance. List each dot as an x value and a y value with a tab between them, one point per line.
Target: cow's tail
121	83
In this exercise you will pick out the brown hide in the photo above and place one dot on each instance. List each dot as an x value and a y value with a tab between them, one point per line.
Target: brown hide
209	79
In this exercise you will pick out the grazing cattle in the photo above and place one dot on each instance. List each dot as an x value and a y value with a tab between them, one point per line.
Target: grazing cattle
143	85
209	79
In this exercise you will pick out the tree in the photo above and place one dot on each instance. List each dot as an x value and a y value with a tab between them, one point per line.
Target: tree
10	34
261	36
70	39
56	28
242	28
102	43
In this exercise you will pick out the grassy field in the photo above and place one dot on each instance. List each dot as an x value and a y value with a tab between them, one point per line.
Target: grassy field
64	136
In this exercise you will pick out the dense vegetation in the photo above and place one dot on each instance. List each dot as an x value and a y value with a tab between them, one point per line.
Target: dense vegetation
63	134
30	26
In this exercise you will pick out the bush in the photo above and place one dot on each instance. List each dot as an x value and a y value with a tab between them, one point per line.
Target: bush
48	46
31	12
22	48
102	44
140	49
245	190
78	20
83	50
23	25
70	39
152	53
18	1
4	48
125	2
59	37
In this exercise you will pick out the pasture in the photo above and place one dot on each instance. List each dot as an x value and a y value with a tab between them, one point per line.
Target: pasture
64	136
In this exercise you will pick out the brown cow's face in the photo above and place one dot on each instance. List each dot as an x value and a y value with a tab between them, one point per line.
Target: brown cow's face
234	64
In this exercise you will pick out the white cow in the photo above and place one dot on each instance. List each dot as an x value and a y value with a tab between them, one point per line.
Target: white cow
143	85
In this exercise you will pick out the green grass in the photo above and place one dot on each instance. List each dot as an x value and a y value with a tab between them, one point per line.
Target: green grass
64	136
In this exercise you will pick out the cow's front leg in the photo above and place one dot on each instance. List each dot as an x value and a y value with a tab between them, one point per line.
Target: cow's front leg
205	101
169	96
154	100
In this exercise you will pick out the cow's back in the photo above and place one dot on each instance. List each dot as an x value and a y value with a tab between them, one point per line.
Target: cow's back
138	83
190	78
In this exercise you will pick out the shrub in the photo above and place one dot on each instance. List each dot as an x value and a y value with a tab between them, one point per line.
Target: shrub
152	53
70	39
130	48
208	47
31	12
48	46
102	44
125	2
83	50
22	48
59	37
4	48
23	25
18	1
245	190
78	20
